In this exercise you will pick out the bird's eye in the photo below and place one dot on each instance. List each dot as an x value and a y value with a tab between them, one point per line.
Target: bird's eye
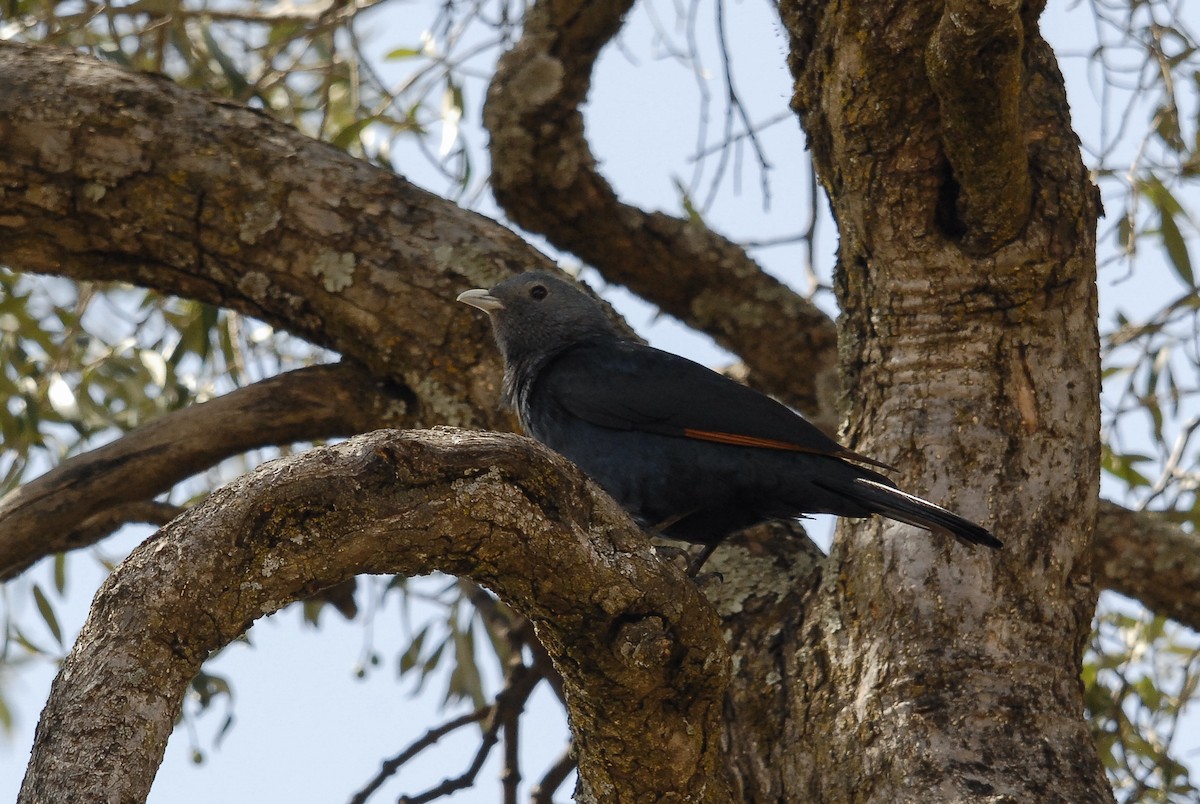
538	292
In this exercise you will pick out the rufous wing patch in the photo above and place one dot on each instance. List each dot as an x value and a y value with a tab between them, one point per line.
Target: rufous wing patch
739	440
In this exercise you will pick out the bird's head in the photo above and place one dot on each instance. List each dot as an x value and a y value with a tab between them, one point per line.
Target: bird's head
538	314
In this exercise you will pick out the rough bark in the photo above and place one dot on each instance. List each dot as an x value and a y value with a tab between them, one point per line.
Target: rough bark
87	497
932	672
638	651
768	579
1146	556
110	174
974	66
545	178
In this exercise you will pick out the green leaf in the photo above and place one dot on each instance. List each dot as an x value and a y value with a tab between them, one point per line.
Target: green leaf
465	681
1121	466
349	135
1161	197
408	659
209	687
1166	126
221	732
60	572
430	664
685	199
237	81
499	641
47	611
1176	247
1125	234
19	637
311	611
402	53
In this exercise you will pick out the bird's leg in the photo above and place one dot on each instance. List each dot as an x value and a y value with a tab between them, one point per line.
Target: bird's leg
695	563
698	560
676	555
657	530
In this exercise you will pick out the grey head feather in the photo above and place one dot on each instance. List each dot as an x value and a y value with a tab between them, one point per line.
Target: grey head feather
535	316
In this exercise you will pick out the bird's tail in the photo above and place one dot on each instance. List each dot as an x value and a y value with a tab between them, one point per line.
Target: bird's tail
903	507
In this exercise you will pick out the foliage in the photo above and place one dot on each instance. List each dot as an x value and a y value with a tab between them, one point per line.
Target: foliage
1140	673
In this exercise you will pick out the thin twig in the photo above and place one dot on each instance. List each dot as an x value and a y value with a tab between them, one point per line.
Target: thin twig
736	108
544	792
510	777
519	681
431	737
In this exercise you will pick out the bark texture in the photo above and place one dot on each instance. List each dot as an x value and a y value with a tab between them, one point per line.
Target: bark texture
1146	556
974	62
638	650
769	579
109	174
932	672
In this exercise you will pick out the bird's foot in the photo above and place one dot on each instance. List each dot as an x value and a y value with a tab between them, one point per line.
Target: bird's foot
676	555
709	580
698	560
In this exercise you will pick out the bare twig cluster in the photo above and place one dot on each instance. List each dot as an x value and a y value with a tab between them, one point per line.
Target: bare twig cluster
499	721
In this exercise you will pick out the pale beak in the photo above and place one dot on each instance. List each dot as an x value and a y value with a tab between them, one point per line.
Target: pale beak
481	299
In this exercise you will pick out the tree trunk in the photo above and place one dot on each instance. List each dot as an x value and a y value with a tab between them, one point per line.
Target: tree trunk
969	346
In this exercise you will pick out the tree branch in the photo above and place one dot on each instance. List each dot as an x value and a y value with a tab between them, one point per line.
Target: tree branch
639	650
543	792
111	174
974	64
85	498
1146	556
545	178
430	738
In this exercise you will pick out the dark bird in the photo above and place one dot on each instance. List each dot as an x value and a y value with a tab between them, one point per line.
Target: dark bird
687	452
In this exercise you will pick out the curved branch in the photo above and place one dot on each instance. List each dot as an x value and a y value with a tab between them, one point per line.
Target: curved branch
84	499
1146	556
974	64
545	178
639	650
112	174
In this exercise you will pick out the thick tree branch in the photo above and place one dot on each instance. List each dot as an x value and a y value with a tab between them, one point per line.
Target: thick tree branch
545	177
1146	556
974	65
111	174
83	499
639	650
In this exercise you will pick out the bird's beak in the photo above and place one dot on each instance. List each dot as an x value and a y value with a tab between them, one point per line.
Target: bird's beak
482	299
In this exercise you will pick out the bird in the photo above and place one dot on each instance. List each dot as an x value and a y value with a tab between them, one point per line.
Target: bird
690	454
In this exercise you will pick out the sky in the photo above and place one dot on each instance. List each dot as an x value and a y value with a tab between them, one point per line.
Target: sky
305	728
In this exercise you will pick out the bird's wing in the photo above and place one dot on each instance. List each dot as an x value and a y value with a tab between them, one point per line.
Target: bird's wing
627	386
